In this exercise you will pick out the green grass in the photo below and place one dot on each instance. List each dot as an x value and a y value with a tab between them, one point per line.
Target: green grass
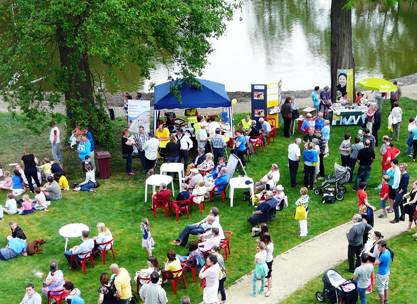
119	203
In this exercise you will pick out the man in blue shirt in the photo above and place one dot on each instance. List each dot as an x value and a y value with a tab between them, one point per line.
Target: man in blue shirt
86	246
15	247
261	213
266	129
222	178
382	278
315	98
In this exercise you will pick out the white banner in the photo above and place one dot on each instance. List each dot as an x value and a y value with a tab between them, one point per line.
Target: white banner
139	115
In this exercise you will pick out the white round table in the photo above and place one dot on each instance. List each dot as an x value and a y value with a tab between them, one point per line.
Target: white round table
156	180
72	231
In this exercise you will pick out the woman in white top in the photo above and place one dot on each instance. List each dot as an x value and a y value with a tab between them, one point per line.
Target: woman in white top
266	238
90	180
373	253
153	265
104	236
199	190
411	127
397	116
261	269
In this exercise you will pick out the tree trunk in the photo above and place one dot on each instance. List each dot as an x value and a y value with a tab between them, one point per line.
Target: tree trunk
79	92
341	48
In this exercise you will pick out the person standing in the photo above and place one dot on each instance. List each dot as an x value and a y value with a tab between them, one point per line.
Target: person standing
286	112
402	190
411	127
218	143
84	147
362	275
395	95
397	116
355	240
378	98
303	201
216	252
29	161
54	139
210	274
376	122
127	151
310	157
395	176
355	148
345	148
122	283
140	139
241	147
322	146
31	296
367	135
295	114
294	160
366	156
325	101
151	152
382	278
185	145
261	268
202	137
153	293
315	98
414	144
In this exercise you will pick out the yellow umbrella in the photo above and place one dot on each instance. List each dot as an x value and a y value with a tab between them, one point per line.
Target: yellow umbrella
377	84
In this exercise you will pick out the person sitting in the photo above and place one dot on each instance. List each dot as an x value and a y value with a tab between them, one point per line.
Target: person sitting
198	160
41	199
211	242
54	280
19	185
253	131
216	171
345	100
213	125
56	167
104	236
221	179
281	198
152	292
10	205
52	190
266	129
172	264
153	266
46	167
62	180
192	257
87	161
26	206
207	165
246	123
31	296
16	246
71	291
197	228
162	194
206	235
90	181
261	213
194	178
15	229
269	186
8	181
199	191
86	246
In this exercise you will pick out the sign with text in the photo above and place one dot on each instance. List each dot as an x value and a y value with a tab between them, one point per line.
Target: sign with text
139	115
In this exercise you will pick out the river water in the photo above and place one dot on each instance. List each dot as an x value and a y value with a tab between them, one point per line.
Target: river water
271	40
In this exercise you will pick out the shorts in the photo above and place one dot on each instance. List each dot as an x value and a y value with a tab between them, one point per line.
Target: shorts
269	264
149	164
382	282
392	193
383	204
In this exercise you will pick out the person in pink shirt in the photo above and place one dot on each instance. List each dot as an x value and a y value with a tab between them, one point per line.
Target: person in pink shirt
26	206
210	280
211	242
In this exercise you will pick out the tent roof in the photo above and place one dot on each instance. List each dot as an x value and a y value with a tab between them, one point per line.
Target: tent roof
213	95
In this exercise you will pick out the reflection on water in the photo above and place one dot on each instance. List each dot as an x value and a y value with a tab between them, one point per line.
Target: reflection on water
290	40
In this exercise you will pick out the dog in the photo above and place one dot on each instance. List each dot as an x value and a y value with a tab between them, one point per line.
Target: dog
33	247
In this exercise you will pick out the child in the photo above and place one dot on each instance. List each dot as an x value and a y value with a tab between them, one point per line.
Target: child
11	205
46	167
61	180
326	134
147	241
316	148
86	162
345	148
41	199
360	134
26	205
384	195
266	238
261	269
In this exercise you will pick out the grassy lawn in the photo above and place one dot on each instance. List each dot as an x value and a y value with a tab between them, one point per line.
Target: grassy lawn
119	203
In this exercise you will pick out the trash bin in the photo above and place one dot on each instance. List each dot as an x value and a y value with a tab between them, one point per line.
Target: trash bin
104	163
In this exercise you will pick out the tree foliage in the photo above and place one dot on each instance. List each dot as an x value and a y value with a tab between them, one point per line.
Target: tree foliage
110	32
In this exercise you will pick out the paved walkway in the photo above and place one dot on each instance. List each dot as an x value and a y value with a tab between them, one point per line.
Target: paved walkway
299	265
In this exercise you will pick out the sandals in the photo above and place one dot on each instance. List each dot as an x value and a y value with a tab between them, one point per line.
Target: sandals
268	293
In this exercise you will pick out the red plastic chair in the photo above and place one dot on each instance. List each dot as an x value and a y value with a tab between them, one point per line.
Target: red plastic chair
138	283
58	297
257	142
193	269
200	240
180	206
107	247
82	261
213	192
174	280
225	243
202	204
160	203
215	116
272	121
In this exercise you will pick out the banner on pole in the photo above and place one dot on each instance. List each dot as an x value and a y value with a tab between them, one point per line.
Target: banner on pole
139	115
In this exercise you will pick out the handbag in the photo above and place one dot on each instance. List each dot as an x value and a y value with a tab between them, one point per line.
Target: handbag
300	213
295	114
315	164
125	155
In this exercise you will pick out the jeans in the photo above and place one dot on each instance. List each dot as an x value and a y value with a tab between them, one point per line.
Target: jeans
189	229
364	172
309	176
317	107
352	168
287	124
32	173
362	295
241	155
68	255
352	252
221	289
87	186
325	111
181	258
184	155
399	203
293	166
375	134
255	279
345	160
56	153
123	301
409	149
379	100
217	153
254	219
129	163
142	159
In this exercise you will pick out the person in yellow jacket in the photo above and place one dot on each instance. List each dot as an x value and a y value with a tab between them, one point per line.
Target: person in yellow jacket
246	123
62	181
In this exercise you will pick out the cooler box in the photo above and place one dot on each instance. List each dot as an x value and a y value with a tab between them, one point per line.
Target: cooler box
104	163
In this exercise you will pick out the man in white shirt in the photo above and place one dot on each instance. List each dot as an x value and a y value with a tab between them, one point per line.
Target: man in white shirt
31	296
185	145
294	160
202	137
259	186
54	139
266	129
213	125
151	152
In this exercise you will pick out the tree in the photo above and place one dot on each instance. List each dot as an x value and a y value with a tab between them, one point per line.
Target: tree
110	32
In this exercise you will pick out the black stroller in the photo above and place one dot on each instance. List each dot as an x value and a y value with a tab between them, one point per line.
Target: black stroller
337	289
334	183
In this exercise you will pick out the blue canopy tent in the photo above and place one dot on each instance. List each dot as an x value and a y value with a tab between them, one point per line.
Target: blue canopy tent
212	95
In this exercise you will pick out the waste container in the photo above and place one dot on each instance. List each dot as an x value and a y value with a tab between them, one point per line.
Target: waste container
104	163
111	113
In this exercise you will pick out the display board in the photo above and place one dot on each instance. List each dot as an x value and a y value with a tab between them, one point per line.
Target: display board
345	83
139	115
232	163
266	100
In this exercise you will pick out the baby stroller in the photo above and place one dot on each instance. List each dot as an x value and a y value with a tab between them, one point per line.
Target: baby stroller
337	289
334	183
